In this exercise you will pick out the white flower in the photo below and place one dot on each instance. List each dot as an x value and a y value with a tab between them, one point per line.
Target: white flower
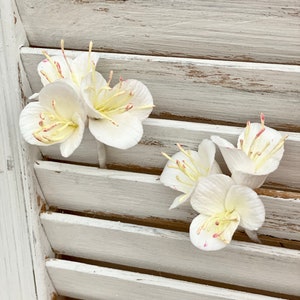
116	114
258	153
223	206
185	168
58	117
58	67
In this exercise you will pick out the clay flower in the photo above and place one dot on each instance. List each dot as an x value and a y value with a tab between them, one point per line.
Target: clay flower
223	206
116	114
184	169
58	67
258	153
58	117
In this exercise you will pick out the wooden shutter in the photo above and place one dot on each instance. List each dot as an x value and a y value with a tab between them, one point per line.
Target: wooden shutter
211	66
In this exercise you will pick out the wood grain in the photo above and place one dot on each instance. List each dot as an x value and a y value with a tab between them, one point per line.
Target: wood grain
142	196
162	136
17	280
265	31
202	90
100	283
245	264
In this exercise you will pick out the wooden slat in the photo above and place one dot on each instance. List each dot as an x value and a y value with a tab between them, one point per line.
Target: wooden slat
265	31
203	89
142	196
85	281
162	135
245	264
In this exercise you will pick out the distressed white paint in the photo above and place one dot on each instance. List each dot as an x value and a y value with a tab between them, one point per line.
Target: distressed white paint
16	268
184	87
105	283
80	188
245	264
162	136
265	31
23	245
208	89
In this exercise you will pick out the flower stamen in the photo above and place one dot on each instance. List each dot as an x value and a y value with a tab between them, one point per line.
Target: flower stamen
53	127
219	223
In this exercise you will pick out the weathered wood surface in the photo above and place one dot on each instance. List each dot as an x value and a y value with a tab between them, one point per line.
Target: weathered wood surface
245	264
80	188
162	135
265	31
105	283
16	266
203	89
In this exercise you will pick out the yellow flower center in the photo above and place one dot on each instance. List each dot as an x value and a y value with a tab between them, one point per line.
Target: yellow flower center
219	223
191	170
259	151
109	102
53	127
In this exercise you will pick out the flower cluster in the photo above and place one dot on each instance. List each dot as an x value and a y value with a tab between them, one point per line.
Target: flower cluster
224	202
75	95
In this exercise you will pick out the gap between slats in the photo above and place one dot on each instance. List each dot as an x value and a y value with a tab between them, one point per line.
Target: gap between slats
204	91
87	281
162	136
142	198
250	265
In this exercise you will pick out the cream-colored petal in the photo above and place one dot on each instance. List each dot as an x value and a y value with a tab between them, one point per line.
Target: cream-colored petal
235	158
247	204
126	134
181	199
252	234
207	151
174	178
141	100
203	239
210	193
67	99
90	85
73	142
84	63
220	142
215	169
29	122
251	180
50	72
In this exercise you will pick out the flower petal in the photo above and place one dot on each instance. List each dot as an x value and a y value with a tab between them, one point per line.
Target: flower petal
235	158
29	122
142	99
207	151
210	193
65	95
174	178
90	85
202	239
73	142
250	180
84	63
50	72
180	199
127	133
247	204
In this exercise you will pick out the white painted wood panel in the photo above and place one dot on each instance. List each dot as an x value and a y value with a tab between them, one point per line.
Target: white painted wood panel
265	31
162	135
17	280
105	283
80	188
202	89
245	264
